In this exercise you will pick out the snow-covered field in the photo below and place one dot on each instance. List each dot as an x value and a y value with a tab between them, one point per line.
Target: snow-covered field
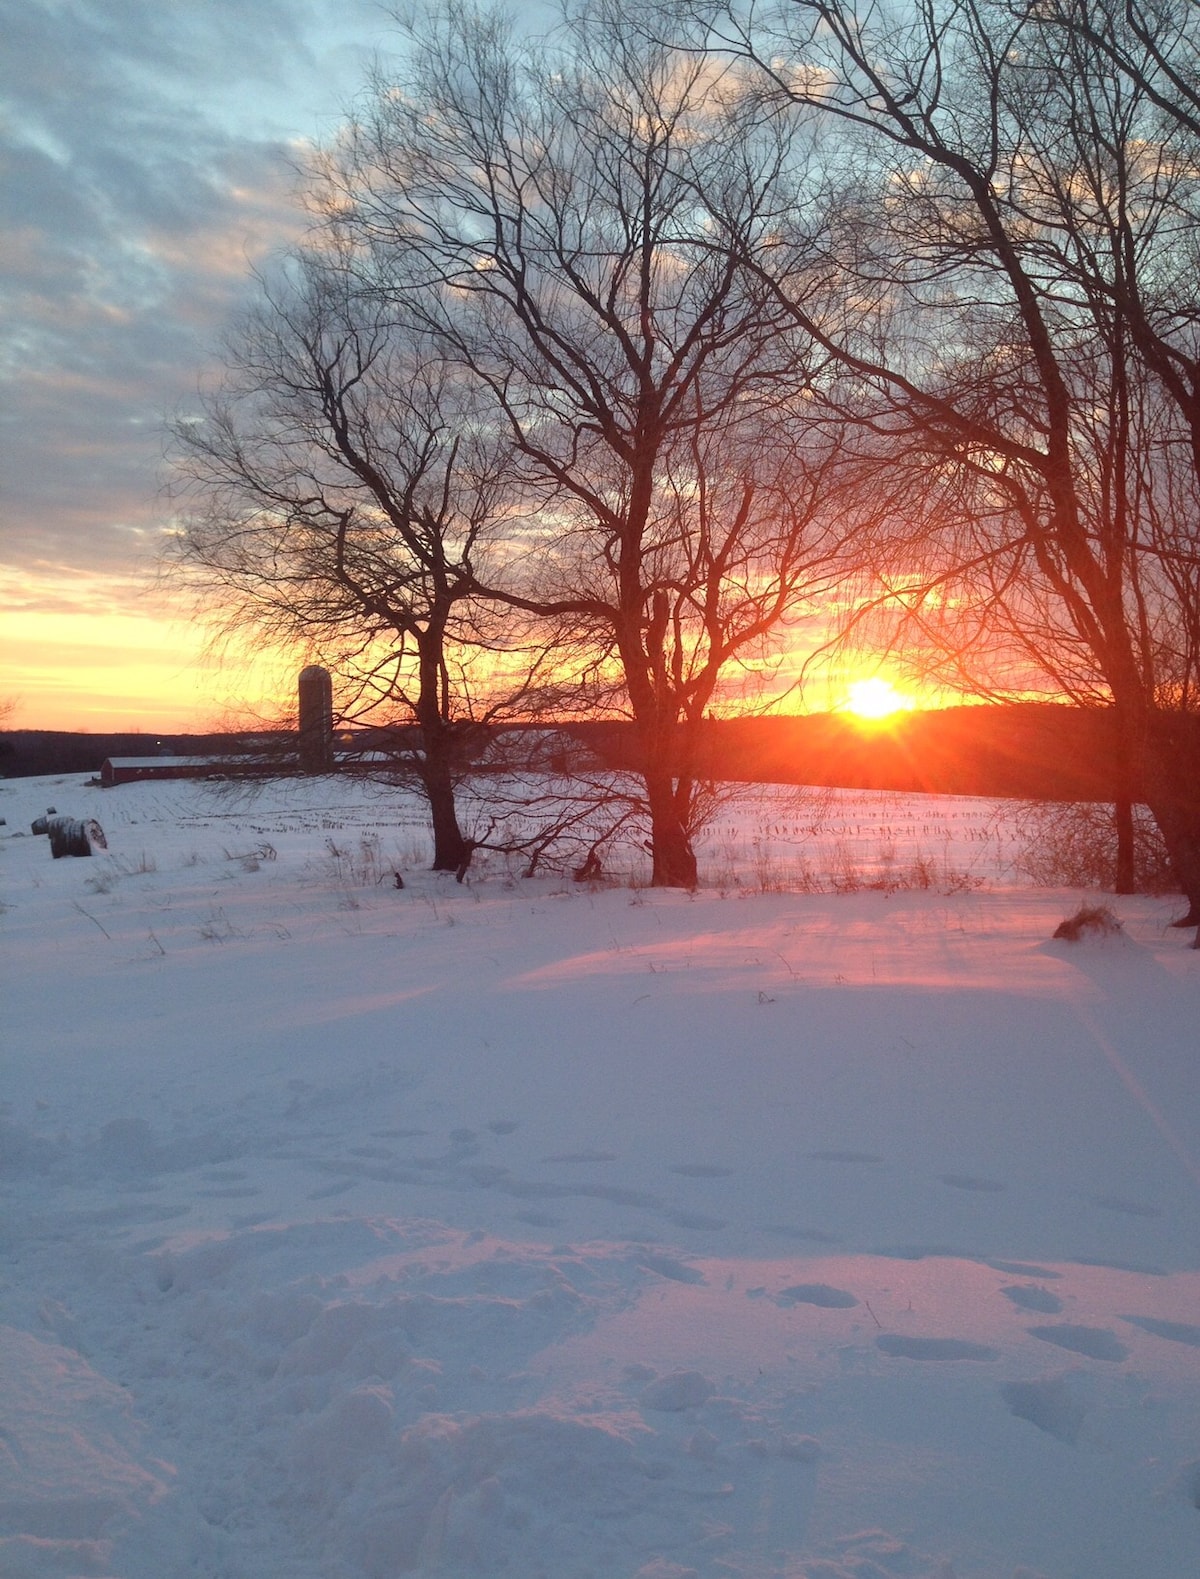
529	1229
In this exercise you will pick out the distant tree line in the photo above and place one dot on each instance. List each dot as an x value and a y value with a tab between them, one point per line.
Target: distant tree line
618	357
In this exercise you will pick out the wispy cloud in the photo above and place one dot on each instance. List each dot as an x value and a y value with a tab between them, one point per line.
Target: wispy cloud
149	151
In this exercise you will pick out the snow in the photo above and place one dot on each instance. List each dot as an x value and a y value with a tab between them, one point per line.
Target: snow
530	1228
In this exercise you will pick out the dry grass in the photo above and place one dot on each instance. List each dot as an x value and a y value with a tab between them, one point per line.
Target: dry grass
1089	921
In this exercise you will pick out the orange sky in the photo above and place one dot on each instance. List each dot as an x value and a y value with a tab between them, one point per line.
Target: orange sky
70	664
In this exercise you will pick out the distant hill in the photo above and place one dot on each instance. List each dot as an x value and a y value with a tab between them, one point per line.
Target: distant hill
28	752
1032	751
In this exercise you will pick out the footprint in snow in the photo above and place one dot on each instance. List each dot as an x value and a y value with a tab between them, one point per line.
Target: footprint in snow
678	1391
901	1347
670	1267
696	1220
333	1189
581	1156
801	1449
1021	1269
1097	1343
639	1373
865	1157
1175	1331
1048	1404
1029	1297
539	1219
1117	1203
138	1212
822	1294
1187	1483
925	1252
1143	1268
816	1235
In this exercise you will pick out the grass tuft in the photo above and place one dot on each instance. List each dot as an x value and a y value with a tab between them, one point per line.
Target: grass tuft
1089	921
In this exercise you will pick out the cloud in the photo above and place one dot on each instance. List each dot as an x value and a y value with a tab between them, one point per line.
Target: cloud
148	150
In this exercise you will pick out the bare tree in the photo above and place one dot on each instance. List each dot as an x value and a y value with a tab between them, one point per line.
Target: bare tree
1005	289
1132	120
338	493
1155	47
548	216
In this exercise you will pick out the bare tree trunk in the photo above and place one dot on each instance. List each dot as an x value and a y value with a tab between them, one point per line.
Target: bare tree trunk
1126	880
1126	877
1173	756
1183	848
672	856
437	780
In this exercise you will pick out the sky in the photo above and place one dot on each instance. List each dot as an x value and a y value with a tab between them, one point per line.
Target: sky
150	152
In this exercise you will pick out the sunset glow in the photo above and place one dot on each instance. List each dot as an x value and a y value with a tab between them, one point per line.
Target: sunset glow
101	653
875	698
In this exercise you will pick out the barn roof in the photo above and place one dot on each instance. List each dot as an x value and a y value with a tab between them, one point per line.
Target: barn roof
160	762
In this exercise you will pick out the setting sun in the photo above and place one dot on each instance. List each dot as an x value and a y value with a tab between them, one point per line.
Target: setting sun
875	698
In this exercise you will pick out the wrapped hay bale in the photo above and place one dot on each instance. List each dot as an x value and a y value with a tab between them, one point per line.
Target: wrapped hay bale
74	836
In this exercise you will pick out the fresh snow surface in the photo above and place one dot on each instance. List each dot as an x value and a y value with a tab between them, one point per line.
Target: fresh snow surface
528	1228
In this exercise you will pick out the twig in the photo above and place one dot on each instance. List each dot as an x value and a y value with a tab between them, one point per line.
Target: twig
91	918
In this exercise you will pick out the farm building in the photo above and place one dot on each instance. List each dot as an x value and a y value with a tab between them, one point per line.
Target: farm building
128	770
